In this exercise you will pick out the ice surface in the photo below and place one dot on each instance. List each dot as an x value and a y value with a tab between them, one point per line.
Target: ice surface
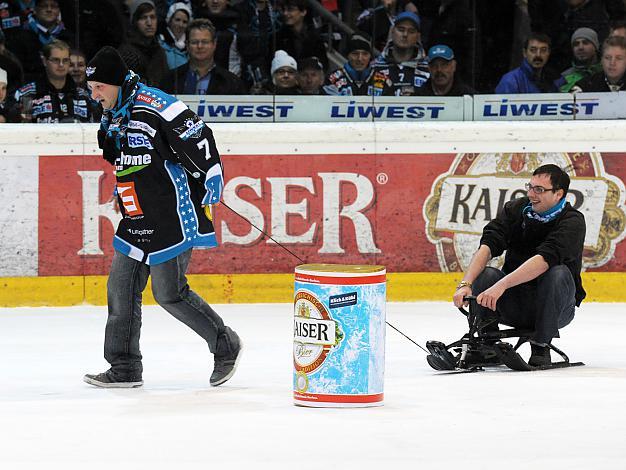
560	419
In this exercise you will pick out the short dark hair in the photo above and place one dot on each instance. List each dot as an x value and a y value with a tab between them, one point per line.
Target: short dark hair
202	24
301	5
56	44
558	178
617	24
540	37
614	41
78	52
142	10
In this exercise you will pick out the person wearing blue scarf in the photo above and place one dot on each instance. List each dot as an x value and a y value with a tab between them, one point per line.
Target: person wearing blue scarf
168	177
355	78
539	285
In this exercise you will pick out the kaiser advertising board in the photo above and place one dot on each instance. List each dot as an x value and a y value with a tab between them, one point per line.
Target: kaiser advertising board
409	212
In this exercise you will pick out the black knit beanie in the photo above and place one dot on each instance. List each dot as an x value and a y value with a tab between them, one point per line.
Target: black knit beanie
107	66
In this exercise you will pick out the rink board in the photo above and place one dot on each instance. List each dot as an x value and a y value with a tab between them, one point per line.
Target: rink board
412	197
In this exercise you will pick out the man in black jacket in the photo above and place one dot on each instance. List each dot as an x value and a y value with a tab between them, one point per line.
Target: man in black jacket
613	73
444	79
201	75
168	175
540	282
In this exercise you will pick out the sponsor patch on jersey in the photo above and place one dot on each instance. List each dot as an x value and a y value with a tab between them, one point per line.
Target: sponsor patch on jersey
191	130
419	81
138	140
151	100
12	22
142	126
130	200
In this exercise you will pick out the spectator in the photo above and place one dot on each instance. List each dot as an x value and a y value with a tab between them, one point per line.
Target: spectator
11	64
8	111
311	76
443	80
55	97
377	22
402	65
174	39
298	38
585	47
532	76
15	14
98	23
201	75
618	28
78	65
355	78
44	25
142	52
611	77
258	23
284	76
456	26
225	19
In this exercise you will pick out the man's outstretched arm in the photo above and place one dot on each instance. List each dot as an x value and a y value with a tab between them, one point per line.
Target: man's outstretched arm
477	265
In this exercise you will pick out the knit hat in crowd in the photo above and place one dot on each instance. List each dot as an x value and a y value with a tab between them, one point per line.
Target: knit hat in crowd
282	59
132	8
3	76
358	42
107	66
408	16
588	34
176	7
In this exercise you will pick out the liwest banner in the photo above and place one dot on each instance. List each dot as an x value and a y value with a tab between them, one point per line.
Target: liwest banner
409	212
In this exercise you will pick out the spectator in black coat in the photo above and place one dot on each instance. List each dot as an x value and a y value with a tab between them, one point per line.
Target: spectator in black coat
296	37
201	75
443	80
612	76
8	110
11	64
142	52
44	25
311	76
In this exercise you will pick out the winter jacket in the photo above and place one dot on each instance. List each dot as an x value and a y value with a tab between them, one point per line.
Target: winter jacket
459	88
222	82
302	45
559	241
145	57
175	56
49	105
570	77
401	78
522	80
597	83
164	164
348	82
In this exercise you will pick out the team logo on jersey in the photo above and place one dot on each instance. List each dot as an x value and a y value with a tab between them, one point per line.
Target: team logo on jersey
130	200
138	140
151	100
477	186
89	71
191	130
142	126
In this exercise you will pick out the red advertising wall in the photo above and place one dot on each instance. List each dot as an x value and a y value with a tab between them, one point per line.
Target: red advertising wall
411	213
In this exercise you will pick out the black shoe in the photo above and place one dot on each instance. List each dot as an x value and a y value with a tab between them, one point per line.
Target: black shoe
104	380
540	355
227	355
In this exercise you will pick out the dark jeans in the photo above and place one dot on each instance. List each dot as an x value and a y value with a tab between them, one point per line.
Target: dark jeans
127	280
544	305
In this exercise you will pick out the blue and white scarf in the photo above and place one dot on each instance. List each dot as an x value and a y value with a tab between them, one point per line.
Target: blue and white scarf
547	216
44	34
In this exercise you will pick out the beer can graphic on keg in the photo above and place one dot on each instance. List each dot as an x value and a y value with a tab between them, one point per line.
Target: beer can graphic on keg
339	335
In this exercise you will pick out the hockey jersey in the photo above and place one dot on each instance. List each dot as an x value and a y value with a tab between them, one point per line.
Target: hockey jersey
167	153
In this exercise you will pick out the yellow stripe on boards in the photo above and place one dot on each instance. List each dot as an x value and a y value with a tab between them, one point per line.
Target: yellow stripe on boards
262	288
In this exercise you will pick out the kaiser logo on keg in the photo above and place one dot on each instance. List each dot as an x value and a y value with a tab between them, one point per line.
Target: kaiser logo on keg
315	332
477	186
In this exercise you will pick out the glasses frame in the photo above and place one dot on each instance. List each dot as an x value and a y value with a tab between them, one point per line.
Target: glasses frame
538	189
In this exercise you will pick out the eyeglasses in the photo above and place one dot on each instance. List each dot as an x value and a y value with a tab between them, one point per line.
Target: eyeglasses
537	189
58	61
203	42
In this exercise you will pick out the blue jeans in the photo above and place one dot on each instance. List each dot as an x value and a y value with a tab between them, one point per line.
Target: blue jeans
127	280
543	305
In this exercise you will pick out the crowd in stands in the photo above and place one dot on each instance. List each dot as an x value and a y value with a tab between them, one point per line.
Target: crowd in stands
234	47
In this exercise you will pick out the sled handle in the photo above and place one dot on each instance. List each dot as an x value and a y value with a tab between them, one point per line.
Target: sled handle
467	298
